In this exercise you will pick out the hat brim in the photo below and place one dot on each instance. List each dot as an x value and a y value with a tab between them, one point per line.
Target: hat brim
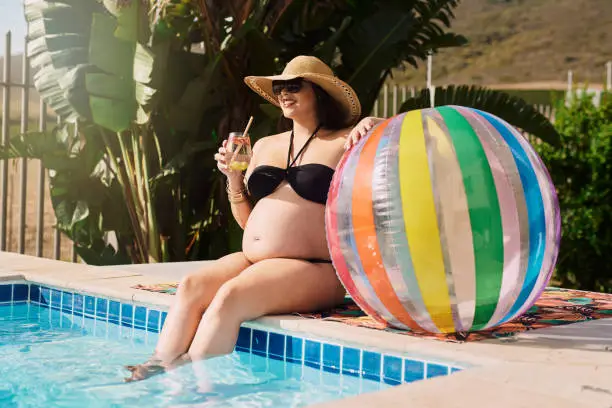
336	88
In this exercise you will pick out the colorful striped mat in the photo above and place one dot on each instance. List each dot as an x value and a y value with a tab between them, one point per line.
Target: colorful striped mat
555	307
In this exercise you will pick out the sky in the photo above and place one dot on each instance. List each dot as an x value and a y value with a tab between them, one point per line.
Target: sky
11	18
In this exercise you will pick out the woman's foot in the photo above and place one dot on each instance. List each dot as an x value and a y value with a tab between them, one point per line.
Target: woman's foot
145	370
153	367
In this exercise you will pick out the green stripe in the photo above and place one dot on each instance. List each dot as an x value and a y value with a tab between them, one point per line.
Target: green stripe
485	215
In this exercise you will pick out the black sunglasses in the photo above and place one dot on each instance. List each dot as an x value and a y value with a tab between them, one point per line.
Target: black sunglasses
291	86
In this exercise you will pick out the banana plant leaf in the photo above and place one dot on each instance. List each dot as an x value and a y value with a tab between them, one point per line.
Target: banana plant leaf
513	110
82	194
89	60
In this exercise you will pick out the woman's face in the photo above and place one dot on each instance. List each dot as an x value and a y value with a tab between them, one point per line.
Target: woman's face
296	98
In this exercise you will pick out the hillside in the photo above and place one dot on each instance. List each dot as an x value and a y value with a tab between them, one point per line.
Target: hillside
517	43
525	41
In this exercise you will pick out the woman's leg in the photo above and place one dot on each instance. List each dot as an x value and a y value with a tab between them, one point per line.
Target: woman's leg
194	294
272	286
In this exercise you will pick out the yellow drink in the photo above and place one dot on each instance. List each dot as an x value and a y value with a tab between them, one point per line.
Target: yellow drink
239	165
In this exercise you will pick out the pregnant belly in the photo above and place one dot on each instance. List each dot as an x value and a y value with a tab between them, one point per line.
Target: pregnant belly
287	227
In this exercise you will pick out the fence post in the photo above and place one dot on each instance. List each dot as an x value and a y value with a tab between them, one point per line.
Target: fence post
6	119
40	210
394	100
73	253
57	235
429	68
386	101
570	87
25	118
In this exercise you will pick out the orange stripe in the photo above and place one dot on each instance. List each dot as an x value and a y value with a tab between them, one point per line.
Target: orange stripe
365	233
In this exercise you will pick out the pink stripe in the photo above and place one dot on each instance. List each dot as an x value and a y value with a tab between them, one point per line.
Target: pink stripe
333	242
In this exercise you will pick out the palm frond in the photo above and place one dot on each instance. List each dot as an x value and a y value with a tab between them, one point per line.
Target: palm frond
513	110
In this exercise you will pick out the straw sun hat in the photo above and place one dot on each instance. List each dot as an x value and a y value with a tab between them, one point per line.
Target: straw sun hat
313	70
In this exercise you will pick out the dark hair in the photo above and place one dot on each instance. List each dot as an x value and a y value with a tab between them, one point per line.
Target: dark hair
329	112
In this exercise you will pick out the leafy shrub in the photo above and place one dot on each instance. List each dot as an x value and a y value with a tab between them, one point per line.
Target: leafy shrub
581	169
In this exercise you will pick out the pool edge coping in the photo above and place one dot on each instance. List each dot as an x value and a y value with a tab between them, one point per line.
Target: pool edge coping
492	358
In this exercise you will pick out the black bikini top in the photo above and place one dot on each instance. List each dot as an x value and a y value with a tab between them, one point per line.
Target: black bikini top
310	181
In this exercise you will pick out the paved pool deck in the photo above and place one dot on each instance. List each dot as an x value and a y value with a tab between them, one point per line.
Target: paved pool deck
564	366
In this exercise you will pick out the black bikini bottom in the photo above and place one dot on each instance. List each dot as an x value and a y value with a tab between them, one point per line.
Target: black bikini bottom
315	260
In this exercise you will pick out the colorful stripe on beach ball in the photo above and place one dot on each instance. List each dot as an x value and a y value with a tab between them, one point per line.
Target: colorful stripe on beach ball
443	220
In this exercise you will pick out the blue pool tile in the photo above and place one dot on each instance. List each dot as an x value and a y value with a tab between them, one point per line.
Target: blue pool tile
20	292
413	370
6	293
127	315
260	342
370	365
56	298
90	305
392	370
436	370
45	296
312	354
294	349
163	319
331	358
140	317
101	308
77	321
78	304
102	330
34	293
153	321
276	347
113	311
243	343
350	361
67	302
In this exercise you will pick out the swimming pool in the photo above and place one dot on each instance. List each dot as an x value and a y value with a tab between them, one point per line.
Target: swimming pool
63	348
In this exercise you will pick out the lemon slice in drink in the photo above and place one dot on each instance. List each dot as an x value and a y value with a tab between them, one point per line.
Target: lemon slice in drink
239	165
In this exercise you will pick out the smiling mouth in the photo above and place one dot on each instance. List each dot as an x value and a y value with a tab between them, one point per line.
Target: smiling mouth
287	103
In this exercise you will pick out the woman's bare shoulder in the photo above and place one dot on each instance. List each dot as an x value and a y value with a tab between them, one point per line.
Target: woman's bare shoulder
335	135
271	140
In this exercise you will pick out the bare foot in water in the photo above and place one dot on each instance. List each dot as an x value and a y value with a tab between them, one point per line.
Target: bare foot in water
153	367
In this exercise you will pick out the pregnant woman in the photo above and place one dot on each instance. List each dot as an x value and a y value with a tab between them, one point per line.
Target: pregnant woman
284	266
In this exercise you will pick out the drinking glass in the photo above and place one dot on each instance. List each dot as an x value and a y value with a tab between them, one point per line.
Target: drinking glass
240	145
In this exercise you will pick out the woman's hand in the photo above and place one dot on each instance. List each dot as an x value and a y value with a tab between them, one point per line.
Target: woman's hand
360	130
223	158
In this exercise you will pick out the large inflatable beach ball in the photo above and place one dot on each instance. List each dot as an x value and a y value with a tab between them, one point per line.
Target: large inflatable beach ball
443	220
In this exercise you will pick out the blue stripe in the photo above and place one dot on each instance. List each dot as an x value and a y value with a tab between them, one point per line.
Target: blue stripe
535	213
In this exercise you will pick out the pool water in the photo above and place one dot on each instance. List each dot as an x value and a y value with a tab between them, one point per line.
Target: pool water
49	358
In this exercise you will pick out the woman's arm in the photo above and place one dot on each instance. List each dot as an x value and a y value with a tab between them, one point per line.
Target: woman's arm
236	191
236	188
360	130
239	200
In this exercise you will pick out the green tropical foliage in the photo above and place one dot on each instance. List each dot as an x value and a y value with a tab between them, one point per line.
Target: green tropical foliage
147	89
581	170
